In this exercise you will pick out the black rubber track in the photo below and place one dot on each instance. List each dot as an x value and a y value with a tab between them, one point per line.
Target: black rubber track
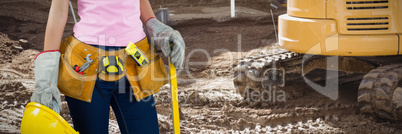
376	91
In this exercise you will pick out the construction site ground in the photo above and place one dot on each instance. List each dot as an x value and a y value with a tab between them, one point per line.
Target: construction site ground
208	99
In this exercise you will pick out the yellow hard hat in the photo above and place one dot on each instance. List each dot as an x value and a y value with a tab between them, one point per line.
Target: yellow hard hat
39	119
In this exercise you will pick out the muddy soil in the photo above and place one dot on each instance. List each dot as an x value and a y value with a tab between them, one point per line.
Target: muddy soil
208	100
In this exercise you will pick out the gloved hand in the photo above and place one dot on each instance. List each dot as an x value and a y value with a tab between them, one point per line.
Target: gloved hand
46	78
161	36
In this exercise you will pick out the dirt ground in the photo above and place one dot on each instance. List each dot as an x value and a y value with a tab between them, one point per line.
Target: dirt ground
208	99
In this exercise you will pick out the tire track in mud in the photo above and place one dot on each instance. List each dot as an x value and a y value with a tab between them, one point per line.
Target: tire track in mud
282	120
10	120
11	74
311	113
14	96
240	118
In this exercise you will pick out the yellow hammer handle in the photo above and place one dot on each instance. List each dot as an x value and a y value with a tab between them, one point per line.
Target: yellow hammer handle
175	98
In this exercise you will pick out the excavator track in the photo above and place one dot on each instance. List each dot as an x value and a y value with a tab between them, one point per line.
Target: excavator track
264	71
380	92
285	70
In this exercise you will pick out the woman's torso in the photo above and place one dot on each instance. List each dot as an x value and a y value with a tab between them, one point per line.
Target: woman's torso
109	22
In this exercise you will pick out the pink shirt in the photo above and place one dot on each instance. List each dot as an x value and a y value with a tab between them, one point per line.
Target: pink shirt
109	22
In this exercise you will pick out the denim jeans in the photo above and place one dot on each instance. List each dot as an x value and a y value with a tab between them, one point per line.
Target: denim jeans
132	116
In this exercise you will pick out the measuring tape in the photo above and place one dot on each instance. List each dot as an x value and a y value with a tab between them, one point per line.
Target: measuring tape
112	65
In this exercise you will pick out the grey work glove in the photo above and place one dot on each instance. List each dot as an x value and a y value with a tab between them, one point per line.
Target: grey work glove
46	78
161	36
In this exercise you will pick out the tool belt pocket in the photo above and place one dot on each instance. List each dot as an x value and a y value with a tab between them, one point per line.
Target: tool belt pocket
149	77
70	82
152	75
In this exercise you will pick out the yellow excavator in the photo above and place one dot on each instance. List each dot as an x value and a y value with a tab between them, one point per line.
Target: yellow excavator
330	43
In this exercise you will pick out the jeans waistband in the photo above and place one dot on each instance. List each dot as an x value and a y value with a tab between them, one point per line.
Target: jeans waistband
108	48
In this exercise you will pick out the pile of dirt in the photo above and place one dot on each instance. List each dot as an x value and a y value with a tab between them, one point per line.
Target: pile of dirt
24	63
8	48
17	62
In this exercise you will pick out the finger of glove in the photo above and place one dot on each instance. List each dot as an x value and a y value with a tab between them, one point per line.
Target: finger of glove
180	62
165	46
55	107
56	97
45	98
50	97
177	60
176	56
178	45
37	96
175	52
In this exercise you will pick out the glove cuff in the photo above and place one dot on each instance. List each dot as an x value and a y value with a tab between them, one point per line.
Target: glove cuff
47	69
152	22
154	26
46	52
149	19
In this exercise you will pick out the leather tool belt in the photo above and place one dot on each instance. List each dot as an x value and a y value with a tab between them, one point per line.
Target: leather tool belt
144	80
